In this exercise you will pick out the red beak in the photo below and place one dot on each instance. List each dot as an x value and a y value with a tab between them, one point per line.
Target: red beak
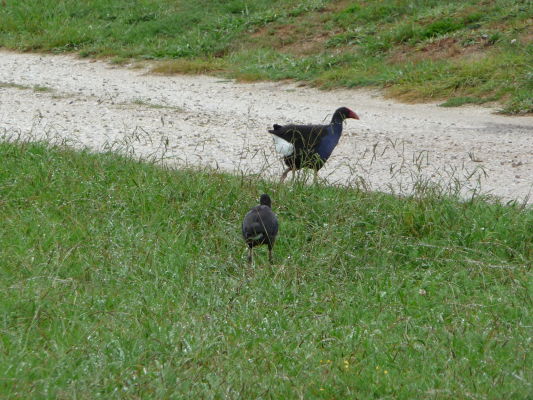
353	115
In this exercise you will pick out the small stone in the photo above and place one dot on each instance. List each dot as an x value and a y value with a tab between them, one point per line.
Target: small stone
422	292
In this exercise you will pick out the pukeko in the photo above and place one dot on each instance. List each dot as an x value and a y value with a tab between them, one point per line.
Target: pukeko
309	146
260	226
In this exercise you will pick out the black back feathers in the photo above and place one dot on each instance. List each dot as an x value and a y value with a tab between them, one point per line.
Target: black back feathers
260	226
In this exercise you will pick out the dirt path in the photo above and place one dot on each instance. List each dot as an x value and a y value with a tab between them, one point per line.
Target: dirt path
210	121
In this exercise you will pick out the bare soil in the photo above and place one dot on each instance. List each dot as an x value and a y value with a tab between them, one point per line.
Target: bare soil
209	121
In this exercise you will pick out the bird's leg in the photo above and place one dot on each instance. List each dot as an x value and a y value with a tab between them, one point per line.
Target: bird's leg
270	254
284	175
250	255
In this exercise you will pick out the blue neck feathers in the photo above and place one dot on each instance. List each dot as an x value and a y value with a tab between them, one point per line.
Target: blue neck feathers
328	142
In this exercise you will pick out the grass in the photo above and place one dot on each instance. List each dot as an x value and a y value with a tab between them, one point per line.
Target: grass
459	101
12	85
146	103
122	279
415	50
36	88
188	66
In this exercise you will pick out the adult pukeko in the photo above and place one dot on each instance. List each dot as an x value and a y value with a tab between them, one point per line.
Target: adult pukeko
260	226
309	146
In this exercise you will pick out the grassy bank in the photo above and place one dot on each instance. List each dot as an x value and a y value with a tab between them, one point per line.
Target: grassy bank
126	280
459	51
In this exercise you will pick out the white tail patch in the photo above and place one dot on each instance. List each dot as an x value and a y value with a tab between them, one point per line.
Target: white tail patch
282	146
256	237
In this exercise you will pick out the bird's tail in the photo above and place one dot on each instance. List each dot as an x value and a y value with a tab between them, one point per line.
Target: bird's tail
255	231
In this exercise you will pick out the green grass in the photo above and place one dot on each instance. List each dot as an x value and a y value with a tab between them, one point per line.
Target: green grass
122	279
36	88
459	101
416	50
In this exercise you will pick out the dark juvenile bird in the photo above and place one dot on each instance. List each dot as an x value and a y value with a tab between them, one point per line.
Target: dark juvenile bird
309	146
260	226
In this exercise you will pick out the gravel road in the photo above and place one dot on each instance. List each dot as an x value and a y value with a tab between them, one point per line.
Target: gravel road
209	121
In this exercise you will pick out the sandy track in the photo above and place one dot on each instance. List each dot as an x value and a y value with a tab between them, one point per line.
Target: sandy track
213	122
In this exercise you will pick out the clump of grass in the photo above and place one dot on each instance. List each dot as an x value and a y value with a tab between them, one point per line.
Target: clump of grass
482	78
459	101
145	103
188	66
125	279
40	88
119	60
13	85
35	88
